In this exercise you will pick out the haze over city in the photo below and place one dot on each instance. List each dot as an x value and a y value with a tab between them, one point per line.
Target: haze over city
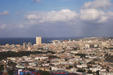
56	18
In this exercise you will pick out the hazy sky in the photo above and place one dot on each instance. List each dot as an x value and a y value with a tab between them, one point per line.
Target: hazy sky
56	18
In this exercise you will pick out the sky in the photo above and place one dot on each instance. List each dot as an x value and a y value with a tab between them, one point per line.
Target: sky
56	18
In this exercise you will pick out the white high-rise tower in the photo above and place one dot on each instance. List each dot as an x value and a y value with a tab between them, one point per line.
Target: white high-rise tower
38	40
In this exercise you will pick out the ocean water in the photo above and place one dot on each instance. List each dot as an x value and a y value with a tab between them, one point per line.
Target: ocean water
4	41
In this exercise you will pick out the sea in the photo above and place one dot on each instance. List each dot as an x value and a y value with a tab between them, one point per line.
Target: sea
10	41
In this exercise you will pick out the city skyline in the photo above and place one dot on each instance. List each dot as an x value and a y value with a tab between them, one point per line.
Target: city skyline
56	18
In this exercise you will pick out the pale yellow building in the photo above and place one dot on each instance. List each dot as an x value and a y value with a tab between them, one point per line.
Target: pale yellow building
38	40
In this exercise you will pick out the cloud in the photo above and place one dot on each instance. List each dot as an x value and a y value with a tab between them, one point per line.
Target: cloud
63	15
93	15
69	16
89	14
31	16
4	13
98	4
93	11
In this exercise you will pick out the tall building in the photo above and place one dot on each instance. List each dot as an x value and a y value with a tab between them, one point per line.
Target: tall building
29	46
24	45
38	40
